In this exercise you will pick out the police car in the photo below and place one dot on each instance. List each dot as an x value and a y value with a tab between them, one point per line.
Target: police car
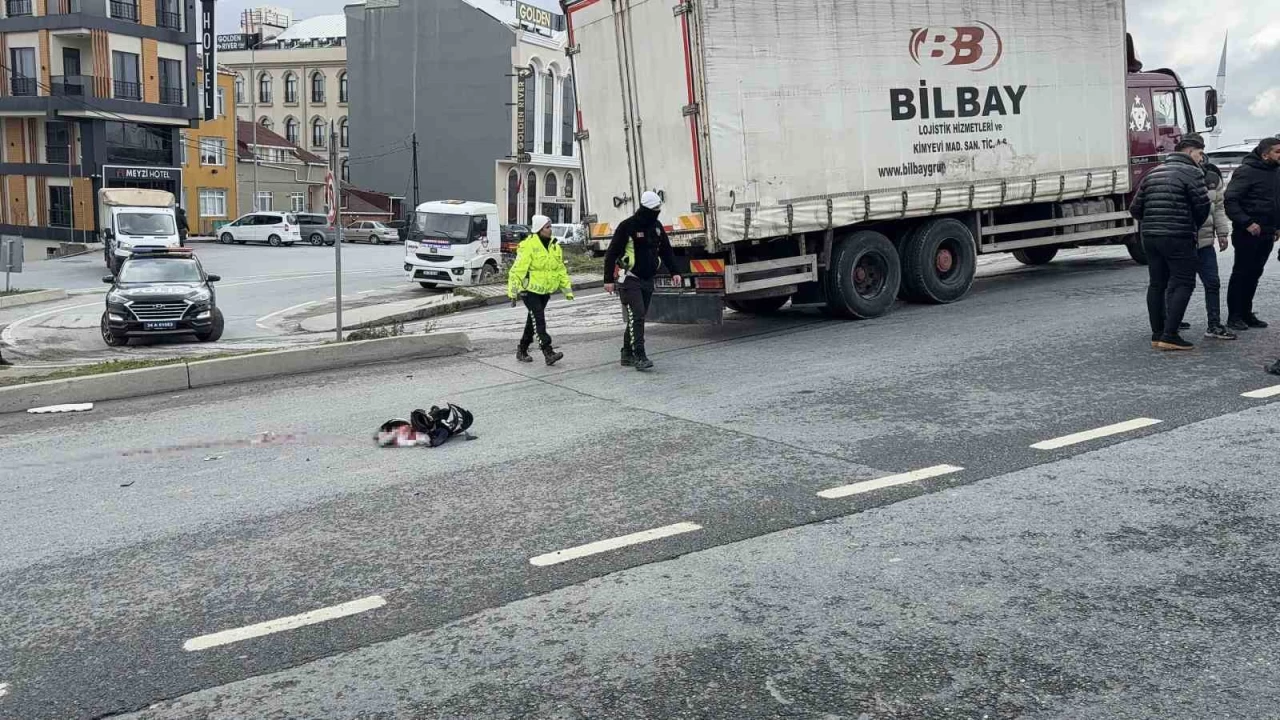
162	292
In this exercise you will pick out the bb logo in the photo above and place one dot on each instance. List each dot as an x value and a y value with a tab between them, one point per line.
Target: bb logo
975	47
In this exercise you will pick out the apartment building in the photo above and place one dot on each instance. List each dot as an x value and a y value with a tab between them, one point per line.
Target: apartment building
210	192
95	93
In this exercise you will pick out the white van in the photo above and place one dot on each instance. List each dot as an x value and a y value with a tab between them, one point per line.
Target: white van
453	243
567	234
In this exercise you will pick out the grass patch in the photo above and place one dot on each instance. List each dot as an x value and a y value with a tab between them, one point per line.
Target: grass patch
111	366
581	260
17	291
395	329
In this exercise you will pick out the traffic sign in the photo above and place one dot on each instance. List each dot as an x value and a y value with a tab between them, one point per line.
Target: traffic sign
330	198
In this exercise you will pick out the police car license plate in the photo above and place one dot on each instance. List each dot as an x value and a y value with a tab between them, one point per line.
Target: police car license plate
159	326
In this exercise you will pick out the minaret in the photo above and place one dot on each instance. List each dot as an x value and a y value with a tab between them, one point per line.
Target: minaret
1221	85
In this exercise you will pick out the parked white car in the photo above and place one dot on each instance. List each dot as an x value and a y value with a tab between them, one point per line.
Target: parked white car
273	228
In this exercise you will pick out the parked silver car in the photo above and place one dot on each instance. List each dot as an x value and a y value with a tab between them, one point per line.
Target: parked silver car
369	231
315	229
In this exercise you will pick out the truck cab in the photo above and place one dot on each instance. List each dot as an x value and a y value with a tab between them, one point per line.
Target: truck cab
132	220
453	243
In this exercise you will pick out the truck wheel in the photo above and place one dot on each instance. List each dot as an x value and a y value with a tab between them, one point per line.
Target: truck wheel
115	264
215	330
275	241
863	279
1136	251
226	239
110	338
758	306
1035	255
488	272
938	261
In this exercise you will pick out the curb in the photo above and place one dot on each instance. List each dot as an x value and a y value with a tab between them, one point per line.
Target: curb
31	298
207	373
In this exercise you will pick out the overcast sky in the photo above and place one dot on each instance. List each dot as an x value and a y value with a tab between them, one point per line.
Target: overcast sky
1183	34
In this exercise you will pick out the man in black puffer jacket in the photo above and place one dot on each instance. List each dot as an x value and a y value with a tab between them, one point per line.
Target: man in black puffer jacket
1253	204
1170	207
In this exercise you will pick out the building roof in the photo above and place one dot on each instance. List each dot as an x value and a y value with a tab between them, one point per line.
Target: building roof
317	28
268	138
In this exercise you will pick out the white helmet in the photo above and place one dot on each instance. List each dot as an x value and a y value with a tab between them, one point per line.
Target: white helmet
651	200
539	222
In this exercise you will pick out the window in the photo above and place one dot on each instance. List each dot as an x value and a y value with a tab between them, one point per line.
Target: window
168	15
291	129
60	206
1166	111
317	87
264	88
346	171
213	151
531	108
264	202
182	148
531	201
568	113
57	142
213	203
124	10
568	186
266	122
298	202
548	112
17	8
125	68
513	197
239	89
137	144
317	132
342	87
170	82
23	63
220	103
290	88
344	139
551	184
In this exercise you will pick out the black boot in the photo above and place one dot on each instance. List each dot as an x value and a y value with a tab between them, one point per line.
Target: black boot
551	356
642	363
627	358
522	354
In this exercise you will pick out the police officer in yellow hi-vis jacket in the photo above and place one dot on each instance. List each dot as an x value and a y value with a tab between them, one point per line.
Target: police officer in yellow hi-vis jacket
538	273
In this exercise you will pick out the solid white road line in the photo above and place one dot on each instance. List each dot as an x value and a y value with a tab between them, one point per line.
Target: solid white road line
1263	393
226	637
600	546
261	322
1087	435
884	482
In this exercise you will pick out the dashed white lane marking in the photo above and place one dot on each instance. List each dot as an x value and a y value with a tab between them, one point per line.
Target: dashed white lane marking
226	637
884	482
601	546
4	689
1262	393
1087	435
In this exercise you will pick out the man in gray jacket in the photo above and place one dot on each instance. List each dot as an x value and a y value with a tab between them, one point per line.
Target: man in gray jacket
1215	231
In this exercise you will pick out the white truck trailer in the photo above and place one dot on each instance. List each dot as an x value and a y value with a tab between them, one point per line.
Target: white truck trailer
845	154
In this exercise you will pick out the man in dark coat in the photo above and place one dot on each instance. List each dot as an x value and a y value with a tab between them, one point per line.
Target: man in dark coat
1253	204
1170	207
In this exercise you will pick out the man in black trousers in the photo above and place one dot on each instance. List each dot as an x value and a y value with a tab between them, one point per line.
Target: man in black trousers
1253	204
1170	207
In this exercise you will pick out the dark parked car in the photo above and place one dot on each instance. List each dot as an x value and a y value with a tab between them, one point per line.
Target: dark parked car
315	229
511	237
165	292
401	228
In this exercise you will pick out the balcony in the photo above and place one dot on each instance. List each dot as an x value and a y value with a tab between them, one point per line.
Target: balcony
169	20
124	10
170	95
57	155
64	7
17	8
127	90
71	86
23	87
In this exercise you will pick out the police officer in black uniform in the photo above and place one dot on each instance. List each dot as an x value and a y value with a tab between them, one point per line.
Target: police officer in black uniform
640	248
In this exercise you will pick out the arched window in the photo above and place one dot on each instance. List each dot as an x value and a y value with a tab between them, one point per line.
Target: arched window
240	90
513	197
265	122
317	87
292	129
290	88
264	88
548	111
551	184
568	186
568	113
318	130
346	171
344	139
342	87
531	201
531	109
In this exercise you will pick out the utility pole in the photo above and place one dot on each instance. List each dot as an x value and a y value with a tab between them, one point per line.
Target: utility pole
416	200
253	117
335	184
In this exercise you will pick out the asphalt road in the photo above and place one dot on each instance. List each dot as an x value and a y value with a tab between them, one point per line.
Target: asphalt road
1125	576
258	283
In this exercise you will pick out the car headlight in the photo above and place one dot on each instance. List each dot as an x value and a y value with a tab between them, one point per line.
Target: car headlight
115	318
117	298
199	295
205	315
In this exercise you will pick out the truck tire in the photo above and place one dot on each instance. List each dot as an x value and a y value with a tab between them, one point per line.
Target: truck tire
1036	255
758	306
215	330
110	338
488	272
864	276
1136	251
115	264
938	261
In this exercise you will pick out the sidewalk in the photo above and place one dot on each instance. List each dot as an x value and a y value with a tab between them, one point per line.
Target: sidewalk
431	306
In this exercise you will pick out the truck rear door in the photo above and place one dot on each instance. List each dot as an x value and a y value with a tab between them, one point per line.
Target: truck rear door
637	99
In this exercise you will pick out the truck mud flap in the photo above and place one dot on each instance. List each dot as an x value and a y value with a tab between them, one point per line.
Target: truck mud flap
686	309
